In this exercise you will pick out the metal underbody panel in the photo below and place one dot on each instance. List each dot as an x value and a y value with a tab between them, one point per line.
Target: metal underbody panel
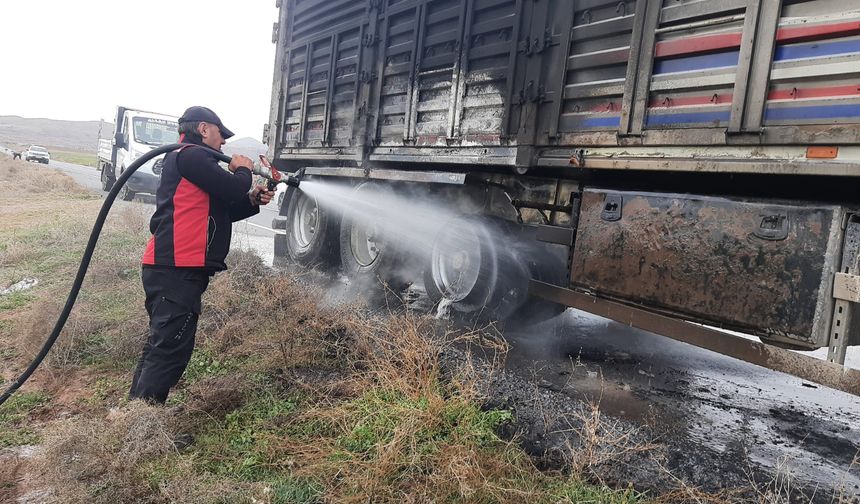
754	266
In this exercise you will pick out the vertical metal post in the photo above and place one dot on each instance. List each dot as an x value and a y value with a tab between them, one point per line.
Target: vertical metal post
461	67
646	66
632	67
374	104
843	329
754	64
533	76
410	116
332	75
359	95
281	74
304	106
513	71
564	49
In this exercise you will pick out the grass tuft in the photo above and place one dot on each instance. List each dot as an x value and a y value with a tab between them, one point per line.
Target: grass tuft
15	430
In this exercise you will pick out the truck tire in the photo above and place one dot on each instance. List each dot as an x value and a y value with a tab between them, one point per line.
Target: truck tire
125	193
312	231
106	178
473	270
370	258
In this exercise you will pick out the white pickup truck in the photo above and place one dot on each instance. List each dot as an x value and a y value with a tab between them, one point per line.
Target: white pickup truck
136	133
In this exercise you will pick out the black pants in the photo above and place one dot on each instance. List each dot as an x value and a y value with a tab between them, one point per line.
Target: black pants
173	303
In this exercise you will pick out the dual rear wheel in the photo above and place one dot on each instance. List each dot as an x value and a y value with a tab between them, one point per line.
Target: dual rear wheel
479	266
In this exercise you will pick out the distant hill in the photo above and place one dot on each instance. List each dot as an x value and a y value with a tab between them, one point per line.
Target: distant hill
246	146
80	136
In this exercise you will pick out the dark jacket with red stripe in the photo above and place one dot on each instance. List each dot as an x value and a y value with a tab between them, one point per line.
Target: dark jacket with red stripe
196	203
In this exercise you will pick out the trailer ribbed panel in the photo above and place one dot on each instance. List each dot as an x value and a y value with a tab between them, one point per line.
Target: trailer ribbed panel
695	65
815	76
597	65
310	18
487	73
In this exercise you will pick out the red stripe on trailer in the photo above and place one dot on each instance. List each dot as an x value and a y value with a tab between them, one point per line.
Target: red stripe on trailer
824	92
691	45
705	43
721	99
802	33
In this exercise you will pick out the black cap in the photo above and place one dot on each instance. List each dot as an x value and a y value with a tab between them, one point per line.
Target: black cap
204	114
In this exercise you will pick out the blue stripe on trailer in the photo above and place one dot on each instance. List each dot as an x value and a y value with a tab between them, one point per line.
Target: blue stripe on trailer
819	112
602	122
688	118
704	62
816	49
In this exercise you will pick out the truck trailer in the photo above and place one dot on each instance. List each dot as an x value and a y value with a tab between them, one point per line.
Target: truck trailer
136	132
694	163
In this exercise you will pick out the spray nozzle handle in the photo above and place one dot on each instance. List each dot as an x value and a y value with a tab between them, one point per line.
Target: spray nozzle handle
295	180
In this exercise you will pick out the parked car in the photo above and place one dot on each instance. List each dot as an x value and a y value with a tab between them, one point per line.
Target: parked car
36	153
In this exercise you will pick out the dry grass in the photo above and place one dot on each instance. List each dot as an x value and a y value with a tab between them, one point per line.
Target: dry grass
95	460
250	312
410	435
108	322
45	240
601	440
19	177
9	478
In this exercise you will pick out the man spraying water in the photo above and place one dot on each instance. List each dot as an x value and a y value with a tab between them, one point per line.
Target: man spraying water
196	203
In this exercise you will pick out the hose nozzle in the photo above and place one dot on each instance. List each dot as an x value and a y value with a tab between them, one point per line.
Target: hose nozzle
295	180
270	173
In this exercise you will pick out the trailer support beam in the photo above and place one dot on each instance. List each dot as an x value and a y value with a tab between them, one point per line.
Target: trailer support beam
802	366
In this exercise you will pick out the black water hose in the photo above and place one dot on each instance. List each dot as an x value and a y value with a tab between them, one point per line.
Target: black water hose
85	261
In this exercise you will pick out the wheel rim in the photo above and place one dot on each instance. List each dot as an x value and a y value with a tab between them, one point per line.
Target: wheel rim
365	241
306	222
362	243
456	262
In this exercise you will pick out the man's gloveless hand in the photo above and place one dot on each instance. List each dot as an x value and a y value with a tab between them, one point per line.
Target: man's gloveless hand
260	195
240	161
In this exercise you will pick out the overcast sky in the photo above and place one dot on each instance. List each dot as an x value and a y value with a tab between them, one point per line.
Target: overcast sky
79	59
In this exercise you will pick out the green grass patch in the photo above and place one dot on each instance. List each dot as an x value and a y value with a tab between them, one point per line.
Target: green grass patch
48	252
240	446
15	300
205	364
292	490
13	415
378	415
79	158
579	491
109	390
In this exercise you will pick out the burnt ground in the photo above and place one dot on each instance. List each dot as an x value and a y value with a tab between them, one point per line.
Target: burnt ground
627	407
713	422
630	407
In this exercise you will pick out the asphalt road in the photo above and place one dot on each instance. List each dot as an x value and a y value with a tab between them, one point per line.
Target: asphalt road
741	411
